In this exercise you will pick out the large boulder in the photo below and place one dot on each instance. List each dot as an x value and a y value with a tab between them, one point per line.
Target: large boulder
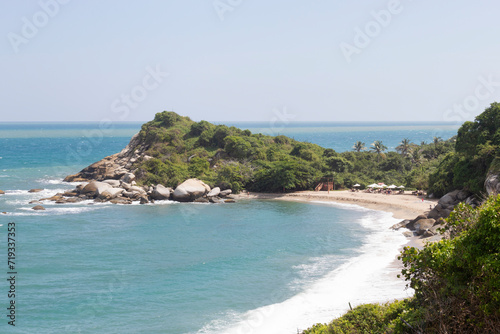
189	190
125	185
423	225
113	183
214	192
492	184
2	192
449	199
95	188
225	193
111	193
128	178
135	189
160	192
38	207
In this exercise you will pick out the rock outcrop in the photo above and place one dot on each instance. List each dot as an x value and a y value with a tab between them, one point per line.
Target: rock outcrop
95	188
214	192
161	192
120	192
447	203
189	190
2	192
113	167
492	184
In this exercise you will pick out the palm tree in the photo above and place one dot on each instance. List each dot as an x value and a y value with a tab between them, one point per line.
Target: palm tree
404	147
436	141
379	148
359	146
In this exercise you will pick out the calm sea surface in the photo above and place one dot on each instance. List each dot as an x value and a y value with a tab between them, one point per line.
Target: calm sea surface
249	267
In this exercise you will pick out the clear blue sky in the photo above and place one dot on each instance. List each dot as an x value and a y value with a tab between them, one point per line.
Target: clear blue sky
242	60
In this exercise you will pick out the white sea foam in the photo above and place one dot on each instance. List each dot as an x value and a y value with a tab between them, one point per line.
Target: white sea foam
367	278
53	211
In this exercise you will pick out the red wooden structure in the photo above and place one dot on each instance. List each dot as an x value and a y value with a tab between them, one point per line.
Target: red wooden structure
325	186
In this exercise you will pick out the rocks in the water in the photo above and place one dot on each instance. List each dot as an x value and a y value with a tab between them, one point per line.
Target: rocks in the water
2	192
189	190
160	192
71	193
95	188
401	224
35	190
225	193
38	207
81	186
35	202
120	200
215	199
143	200
56	197
111	193
214	192
201	200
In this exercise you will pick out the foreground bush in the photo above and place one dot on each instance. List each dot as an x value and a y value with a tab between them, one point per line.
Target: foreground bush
456	283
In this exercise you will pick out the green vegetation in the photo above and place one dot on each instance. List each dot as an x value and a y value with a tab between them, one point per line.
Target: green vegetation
476	153
229	157
456	282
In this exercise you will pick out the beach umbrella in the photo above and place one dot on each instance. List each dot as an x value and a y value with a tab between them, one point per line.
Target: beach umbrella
357	185
392	186
373	185
401	187
381	184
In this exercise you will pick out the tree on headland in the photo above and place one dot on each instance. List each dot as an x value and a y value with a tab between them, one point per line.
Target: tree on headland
378	148
436	141
404	147
359	146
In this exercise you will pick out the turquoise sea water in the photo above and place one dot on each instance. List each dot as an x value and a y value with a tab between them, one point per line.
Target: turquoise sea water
249	267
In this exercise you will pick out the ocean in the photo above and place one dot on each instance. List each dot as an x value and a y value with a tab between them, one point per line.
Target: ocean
256	266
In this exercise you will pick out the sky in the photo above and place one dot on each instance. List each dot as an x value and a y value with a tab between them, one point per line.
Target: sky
242	60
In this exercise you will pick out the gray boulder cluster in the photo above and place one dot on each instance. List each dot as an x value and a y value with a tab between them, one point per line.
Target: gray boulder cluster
428	225
126	191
